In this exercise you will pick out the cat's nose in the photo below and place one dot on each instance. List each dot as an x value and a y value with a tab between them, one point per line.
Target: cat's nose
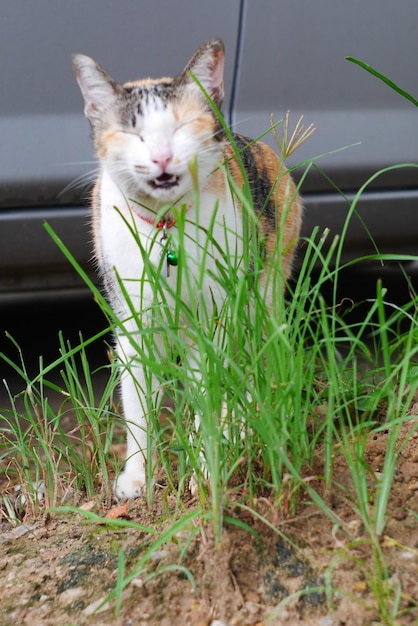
162	160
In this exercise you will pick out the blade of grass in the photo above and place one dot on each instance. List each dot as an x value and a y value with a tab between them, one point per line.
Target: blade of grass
383	78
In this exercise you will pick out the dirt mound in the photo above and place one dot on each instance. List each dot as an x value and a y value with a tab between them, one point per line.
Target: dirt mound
269	568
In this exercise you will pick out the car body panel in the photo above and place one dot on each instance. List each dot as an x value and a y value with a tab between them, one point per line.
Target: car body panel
46	157
280	56
294	58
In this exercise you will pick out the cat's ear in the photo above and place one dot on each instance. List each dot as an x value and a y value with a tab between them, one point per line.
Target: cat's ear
97	86
207	64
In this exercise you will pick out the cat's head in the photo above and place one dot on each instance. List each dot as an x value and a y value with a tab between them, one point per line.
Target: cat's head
147	132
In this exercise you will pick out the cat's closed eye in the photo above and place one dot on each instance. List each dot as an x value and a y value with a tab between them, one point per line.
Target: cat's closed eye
132	131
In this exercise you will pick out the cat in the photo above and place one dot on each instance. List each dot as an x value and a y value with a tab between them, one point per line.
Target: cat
147	134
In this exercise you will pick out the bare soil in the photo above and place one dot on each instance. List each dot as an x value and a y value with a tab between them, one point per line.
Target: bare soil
57	569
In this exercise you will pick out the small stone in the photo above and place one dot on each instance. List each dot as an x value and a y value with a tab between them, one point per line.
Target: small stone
22	530
360	586
158	555
88	506
68	494
251	596
283	615
94	607
356	527
410	470
252	607
71	595
314	595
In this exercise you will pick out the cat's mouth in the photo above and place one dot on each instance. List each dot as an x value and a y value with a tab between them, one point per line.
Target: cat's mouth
165	181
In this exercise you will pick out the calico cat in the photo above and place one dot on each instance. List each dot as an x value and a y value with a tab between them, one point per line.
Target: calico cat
157	140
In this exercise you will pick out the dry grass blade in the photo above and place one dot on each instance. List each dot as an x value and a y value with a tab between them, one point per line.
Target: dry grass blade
298	137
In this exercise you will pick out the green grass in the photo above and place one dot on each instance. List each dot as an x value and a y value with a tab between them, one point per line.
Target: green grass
274	387
293	379
33	441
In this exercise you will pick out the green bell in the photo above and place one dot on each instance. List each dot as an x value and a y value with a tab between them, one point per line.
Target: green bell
172	258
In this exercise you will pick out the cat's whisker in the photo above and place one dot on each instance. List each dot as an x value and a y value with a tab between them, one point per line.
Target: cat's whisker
81	182
208	151
77	163
244	120
221	131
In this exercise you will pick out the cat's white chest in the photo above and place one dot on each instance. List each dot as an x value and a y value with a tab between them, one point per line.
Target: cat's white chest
121	232
126	239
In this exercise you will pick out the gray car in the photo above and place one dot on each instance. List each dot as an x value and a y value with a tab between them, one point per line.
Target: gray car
287	55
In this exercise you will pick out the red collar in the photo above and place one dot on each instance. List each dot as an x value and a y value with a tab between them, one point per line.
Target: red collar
162	224
165	224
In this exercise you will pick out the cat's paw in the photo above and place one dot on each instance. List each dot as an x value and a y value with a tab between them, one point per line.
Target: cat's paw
194	481
129	484
193	486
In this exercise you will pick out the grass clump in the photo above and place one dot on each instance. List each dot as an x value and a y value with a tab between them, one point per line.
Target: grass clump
37	445
279	390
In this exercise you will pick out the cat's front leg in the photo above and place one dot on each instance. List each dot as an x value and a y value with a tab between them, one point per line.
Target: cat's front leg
131	482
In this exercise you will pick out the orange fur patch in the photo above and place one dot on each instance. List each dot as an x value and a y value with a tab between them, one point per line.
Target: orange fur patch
288	205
